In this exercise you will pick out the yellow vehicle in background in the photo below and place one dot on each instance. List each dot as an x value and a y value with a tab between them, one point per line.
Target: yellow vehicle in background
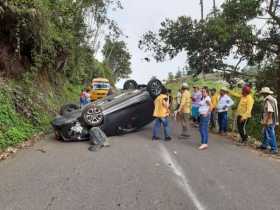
100	88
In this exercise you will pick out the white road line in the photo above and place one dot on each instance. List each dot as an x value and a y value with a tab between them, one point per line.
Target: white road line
182	179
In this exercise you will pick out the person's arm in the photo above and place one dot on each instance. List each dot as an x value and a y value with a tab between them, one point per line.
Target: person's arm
266	119
183	101
269	115
165	102
232	93
208	102
230	102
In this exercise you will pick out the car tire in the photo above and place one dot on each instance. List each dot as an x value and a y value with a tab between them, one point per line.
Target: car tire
130	85
92	116
68	108
154	87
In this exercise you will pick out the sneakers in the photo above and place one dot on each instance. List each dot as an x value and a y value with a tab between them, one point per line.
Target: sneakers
168	138
242	143
271	152
261	147
203	147
183	136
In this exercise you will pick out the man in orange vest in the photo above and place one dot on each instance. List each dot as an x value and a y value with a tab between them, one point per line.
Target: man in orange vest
161	113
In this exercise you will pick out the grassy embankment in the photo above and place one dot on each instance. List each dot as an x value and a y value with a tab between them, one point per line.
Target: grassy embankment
27	107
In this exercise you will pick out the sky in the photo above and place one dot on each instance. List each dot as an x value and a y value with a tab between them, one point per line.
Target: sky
140	16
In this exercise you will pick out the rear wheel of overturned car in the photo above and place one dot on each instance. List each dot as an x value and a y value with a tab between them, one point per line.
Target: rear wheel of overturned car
68	108
130	85
154	87
92	116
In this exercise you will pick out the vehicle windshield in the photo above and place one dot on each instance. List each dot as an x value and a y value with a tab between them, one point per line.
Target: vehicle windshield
98	86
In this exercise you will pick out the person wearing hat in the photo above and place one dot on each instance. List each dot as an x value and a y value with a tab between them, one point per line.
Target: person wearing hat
161	113
270	119
224	103
185	109
244	113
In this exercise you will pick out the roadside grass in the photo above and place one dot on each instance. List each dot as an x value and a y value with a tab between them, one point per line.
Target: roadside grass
27	109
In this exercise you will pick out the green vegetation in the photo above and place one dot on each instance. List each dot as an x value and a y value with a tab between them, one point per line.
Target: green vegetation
28	109
246	30
55	36
47	55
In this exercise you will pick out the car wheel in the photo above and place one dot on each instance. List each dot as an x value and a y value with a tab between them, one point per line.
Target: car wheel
155	87
92	116
130	85
68	108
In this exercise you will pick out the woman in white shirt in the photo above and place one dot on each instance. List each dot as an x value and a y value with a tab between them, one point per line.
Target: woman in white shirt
204	113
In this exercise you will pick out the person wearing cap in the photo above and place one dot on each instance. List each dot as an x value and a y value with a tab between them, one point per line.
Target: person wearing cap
270	119
214	101
161	113
244	113
185	109
224	103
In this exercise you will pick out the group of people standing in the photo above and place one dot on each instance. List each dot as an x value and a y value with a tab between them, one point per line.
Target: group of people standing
208	108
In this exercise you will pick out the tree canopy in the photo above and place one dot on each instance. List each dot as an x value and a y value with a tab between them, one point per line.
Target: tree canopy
233	31
117	58
56	36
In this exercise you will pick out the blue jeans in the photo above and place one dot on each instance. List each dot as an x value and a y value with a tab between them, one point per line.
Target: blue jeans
195	113
157	125
269	138
222	120
203	128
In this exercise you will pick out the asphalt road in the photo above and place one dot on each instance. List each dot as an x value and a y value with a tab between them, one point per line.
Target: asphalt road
138	174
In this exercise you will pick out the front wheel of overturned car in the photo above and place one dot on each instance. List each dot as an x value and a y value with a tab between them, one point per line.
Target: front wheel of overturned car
130	85
154	87
92	116
68	108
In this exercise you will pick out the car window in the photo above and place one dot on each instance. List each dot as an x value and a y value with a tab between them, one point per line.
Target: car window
98	86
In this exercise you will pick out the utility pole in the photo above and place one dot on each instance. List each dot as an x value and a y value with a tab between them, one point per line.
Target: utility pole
202	9
203	42
214	8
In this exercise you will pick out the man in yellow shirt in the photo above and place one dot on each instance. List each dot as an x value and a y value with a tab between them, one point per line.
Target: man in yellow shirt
244	113
214	101
161	113
185	109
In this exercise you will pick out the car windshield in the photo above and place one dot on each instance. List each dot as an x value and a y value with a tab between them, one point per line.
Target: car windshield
101	86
